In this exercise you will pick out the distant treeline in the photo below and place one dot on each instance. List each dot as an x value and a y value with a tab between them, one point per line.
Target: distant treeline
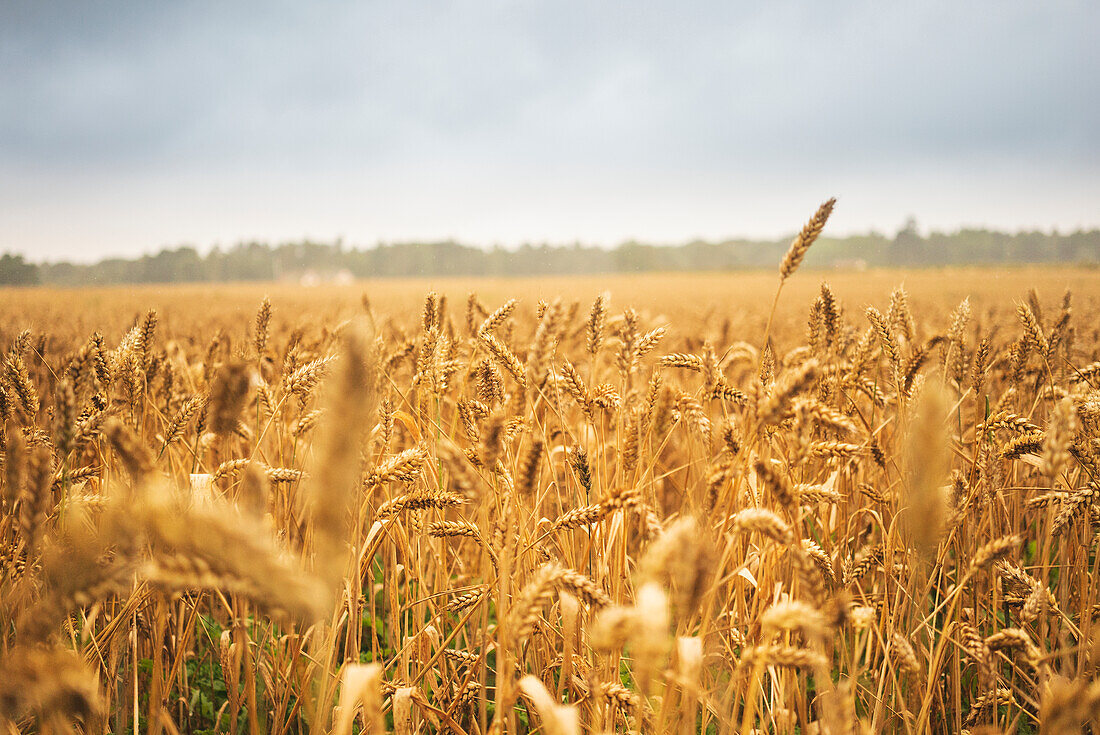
262	262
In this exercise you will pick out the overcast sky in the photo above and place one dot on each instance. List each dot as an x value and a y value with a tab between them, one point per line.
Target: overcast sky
127	126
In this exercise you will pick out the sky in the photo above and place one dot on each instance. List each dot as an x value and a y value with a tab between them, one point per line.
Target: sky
129	126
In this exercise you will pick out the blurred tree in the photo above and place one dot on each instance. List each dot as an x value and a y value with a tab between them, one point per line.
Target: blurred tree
256	261
15	271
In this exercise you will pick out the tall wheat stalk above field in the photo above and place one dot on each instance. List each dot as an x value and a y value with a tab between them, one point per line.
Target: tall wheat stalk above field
796	252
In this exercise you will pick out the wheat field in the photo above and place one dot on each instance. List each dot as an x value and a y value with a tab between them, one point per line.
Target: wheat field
618	504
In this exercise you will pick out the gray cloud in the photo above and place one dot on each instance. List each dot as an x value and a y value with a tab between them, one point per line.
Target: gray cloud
124	126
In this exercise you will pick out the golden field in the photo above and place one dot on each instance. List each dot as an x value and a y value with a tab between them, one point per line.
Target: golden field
419	506
675	298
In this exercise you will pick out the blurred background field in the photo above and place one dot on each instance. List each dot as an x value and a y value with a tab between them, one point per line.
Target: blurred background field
742	298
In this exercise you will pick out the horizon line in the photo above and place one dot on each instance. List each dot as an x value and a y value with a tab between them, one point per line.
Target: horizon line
341	240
